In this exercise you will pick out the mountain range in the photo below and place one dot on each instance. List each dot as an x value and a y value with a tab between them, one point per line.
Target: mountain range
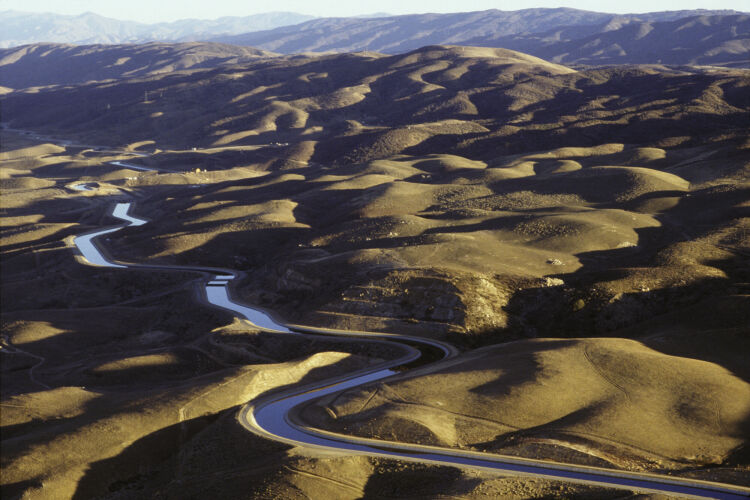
290	32
566	36
700	40
397	34
720	40
21	28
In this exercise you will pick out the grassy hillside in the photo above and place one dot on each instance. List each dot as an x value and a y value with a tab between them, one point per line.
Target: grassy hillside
476	102
581	236
605	402
54	64
117	384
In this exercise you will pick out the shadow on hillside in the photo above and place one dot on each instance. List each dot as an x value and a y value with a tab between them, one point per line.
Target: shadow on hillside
643	131
175	455
410	480
705	318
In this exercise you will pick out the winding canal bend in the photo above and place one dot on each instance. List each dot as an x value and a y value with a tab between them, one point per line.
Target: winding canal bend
272	417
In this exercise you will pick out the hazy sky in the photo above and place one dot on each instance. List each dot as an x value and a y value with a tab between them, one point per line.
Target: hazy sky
170	10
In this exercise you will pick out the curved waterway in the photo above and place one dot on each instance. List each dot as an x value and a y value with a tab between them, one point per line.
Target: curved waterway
81	186
133	167
274	416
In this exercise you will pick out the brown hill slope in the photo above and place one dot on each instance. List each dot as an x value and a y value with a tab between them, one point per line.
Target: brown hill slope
613	242
615	400
116	384
56	64
357	107
598	218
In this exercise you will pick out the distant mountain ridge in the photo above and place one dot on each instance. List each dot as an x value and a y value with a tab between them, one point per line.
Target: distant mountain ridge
398	34
700	40
290	32
23	28
562	35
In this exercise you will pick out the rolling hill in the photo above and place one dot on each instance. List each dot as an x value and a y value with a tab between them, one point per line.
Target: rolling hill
356	107
581	235
56	64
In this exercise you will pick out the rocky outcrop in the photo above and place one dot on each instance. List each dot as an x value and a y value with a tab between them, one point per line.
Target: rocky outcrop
445	301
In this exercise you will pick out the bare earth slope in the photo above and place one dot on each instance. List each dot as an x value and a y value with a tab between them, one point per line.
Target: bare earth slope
582	237
356	107
611	402
119	384
55	64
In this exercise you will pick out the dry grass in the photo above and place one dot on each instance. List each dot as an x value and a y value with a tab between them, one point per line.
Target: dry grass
613	399
459	196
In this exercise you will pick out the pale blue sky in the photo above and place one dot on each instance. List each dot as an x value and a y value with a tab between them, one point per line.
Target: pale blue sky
170	10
